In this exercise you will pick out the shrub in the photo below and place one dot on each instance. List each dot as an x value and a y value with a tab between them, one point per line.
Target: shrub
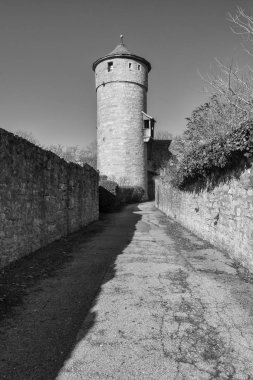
108	195
131	194
220	153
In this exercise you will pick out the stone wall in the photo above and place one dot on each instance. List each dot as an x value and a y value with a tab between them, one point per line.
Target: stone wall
42	197
223	214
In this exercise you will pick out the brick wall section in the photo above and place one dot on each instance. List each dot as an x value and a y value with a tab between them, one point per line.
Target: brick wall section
121	98
42	197
223	216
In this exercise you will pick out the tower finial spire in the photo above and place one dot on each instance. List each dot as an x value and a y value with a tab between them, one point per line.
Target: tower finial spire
121	37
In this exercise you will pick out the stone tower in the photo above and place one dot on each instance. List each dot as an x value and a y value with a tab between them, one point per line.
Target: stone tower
121	86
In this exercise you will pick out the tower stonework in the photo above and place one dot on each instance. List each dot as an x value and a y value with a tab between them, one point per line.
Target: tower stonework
121	86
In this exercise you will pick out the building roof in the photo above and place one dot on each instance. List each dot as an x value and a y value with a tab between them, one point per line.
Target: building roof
146	116
121	51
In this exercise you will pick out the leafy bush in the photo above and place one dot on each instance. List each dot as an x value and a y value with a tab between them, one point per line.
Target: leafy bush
112	196
209	122
222	152
131	194
108	195
109	185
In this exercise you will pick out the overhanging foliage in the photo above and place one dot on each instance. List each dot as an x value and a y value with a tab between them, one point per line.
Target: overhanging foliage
220	153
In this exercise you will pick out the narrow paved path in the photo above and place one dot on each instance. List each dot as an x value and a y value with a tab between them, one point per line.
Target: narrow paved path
170	307
149	299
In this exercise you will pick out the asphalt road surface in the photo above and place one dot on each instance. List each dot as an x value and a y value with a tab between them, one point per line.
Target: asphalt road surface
133	296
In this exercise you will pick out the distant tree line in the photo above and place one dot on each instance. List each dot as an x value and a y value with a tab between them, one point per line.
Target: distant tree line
72	153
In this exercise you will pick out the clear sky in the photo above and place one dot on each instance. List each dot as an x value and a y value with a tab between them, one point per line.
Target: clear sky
48	47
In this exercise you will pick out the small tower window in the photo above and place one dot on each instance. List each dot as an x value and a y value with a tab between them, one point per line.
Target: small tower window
110	66
139	67
130	65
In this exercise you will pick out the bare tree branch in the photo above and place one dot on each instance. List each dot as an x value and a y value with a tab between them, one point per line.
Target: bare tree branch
243	25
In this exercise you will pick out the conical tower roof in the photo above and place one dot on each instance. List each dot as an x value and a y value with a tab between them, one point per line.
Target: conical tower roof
121	51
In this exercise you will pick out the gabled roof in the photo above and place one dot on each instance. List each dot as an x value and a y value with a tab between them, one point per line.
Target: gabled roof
146	116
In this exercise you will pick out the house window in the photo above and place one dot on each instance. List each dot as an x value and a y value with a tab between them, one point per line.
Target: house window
110	66
130	65
139	67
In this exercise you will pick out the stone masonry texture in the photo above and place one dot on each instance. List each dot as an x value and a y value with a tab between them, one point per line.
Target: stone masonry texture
223	215
42	197
121	98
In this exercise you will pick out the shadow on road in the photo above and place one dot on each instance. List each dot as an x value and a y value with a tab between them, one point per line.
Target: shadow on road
45	297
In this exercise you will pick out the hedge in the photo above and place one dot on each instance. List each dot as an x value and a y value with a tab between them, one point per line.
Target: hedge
220	153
